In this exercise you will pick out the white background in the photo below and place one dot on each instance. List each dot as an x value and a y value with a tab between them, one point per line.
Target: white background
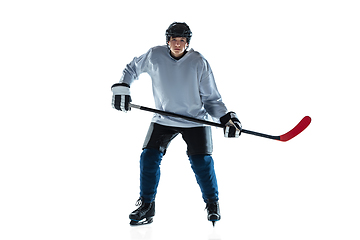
69	162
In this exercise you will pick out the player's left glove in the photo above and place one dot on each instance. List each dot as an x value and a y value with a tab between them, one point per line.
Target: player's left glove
232	125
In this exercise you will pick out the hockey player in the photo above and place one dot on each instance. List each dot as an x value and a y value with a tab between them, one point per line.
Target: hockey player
182	82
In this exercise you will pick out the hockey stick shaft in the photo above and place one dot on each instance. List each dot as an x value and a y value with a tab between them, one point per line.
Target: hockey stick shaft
170	114
285	137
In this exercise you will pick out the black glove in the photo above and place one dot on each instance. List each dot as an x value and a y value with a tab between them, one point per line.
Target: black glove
232	125
121	96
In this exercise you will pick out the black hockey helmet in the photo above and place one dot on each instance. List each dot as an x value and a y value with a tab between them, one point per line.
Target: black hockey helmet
178	29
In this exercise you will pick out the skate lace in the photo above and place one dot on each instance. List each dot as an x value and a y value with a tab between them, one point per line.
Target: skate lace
212	207
139	202
142	206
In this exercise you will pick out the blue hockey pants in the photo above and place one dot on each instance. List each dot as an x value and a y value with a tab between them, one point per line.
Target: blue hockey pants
201	164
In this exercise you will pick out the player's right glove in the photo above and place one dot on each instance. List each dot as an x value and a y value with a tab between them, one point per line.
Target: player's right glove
232	125
121	96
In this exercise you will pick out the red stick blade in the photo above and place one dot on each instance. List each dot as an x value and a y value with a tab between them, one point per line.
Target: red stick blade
296	130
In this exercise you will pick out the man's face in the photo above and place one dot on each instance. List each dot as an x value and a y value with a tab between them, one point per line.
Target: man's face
177	46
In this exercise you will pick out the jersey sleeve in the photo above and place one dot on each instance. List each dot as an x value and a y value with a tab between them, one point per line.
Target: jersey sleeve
210	95
137	66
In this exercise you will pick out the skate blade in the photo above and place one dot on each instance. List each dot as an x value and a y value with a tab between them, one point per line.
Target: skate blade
141	222
213	222
213	219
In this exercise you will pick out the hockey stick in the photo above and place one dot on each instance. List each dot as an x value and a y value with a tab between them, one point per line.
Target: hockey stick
283	138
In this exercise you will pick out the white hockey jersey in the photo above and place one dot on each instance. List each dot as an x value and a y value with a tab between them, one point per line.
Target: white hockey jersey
185	86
